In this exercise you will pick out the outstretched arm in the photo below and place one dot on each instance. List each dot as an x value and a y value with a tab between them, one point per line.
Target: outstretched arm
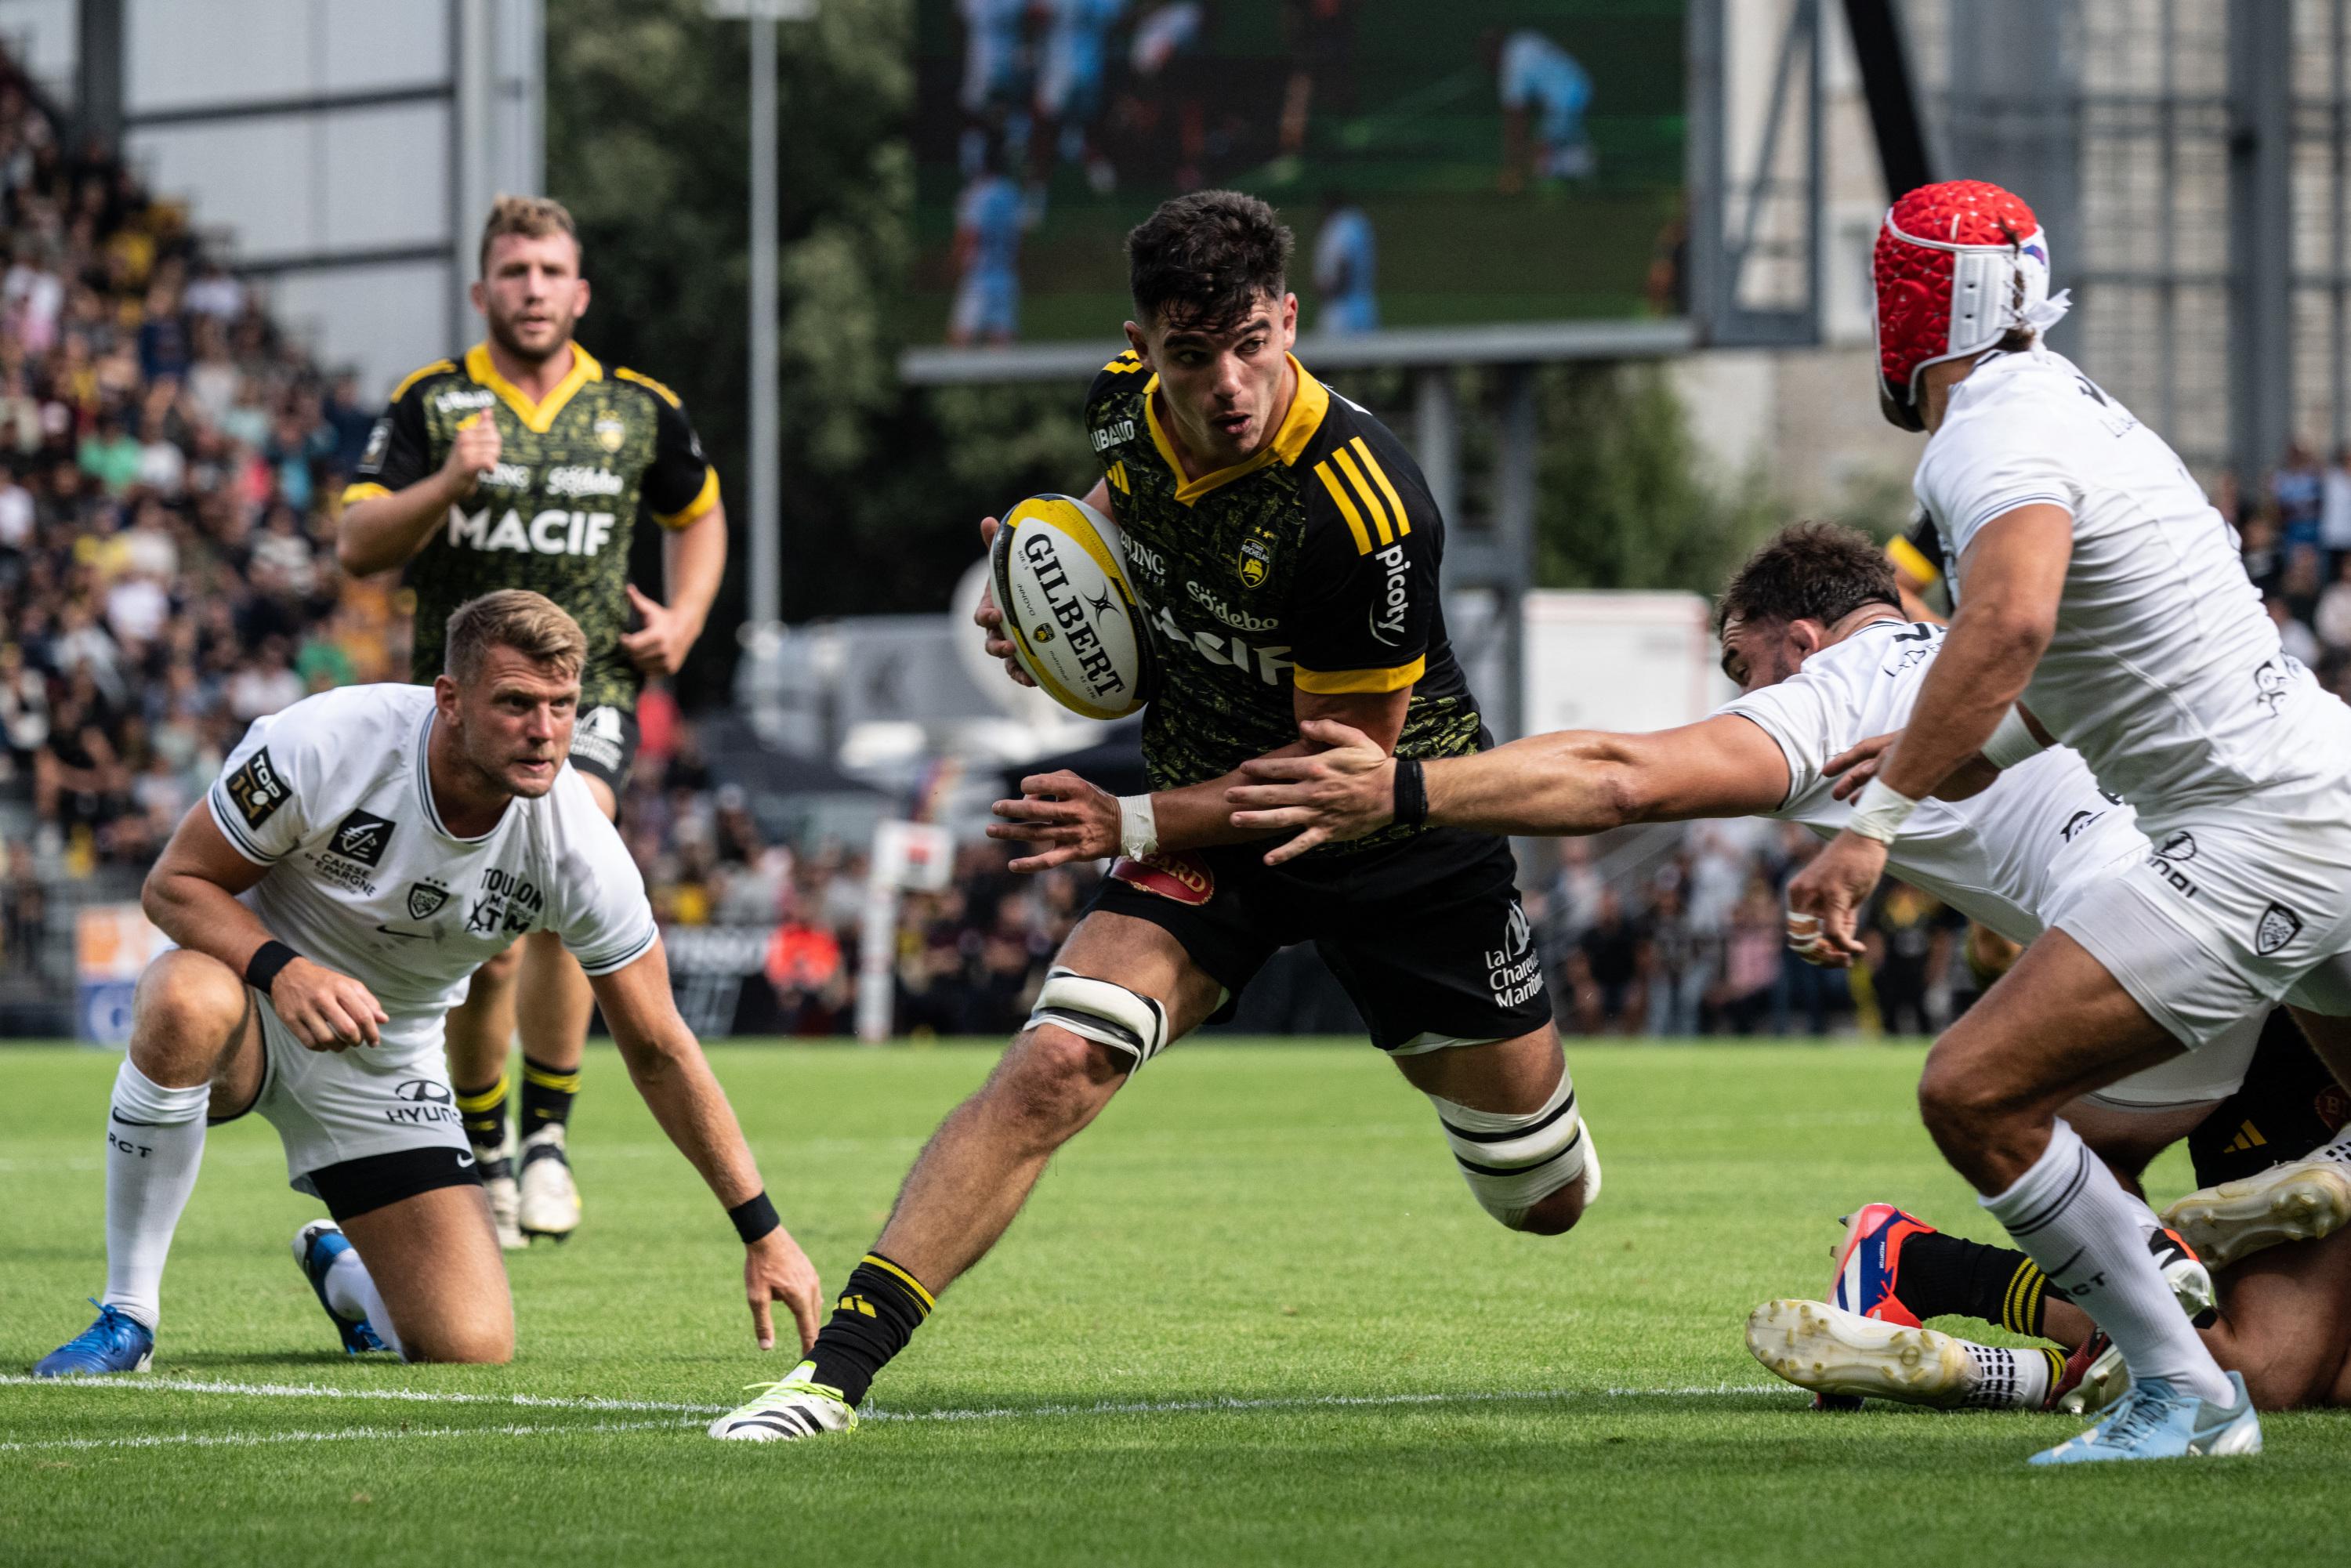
1568	782
667	1065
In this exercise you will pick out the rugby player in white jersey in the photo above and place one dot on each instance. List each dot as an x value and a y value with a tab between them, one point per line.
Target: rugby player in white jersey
362	854
1813	634
2094	583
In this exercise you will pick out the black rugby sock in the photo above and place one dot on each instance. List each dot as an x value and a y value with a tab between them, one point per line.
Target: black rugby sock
547	1095
878	1312
484	1111
1946	1275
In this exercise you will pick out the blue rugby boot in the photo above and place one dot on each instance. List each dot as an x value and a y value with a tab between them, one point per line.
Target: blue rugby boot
2154	1421
316	1246
117	1342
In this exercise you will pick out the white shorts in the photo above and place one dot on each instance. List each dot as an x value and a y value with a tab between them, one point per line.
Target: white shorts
2237	907
330	1107
2193	1077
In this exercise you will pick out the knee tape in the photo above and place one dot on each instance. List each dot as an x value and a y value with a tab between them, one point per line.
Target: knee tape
1102	1011
1514	1162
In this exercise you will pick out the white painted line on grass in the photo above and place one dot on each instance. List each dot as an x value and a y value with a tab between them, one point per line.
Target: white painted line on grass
142	1385
257	1439
991	1413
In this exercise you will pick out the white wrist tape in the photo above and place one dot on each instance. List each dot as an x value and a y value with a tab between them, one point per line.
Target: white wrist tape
2012	742
1138	826
1880	812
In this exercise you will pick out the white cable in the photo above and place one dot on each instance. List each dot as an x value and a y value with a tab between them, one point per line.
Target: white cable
1138	826
1880	812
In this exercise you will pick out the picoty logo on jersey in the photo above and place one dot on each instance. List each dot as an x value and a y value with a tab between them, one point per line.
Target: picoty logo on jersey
1069	609
1387	612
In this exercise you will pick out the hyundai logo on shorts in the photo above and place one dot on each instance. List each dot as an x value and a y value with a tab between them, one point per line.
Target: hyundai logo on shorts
424	1092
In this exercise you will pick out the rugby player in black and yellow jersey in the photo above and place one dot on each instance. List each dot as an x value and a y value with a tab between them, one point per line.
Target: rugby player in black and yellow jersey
1285	549
523	465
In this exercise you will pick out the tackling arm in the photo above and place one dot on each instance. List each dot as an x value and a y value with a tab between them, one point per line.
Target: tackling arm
1565	783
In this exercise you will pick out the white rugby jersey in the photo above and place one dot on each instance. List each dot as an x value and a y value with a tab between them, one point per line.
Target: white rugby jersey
2011	856
331	796
2164	672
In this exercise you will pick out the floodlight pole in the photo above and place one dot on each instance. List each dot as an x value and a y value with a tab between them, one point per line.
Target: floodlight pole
766	523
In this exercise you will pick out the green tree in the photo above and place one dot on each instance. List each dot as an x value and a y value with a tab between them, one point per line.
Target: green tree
1625	496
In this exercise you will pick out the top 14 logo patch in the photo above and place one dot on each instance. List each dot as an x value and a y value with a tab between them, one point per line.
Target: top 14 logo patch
258	789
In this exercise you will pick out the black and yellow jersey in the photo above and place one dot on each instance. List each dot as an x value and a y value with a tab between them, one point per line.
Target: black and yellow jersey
1313	564
556	513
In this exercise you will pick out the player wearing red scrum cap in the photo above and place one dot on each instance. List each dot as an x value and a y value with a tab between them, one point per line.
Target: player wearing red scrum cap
2094	584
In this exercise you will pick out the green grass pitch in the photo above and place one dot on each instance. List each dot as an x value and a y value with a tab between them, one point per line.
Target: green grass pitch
1251	1316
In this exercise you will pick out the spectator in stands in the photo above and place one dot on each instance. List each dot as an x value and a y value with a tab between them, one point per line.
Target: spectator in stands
2298	491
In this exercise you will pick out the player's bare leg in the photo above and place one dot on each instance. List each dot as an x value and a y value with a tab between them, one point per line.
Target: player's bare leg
554	1005
479	1037
1990	1093
977	1169
432	1262
1528	1158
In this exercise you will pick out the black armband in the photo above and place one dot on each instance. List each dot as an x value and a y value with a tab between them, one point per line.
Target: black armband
754	1217
1411	793
261	970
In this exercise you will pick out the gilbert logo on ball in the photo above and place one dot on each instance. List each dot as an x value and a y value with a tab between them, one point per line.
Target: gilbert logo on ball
1059	570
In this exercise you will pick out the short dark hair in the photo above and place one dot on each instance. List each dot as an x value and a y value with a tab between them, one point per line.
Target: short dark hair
1207	259
1809	571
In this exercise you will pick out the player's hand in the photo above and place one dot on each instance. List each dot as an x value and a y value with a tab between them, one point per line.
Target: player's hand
775	1270
327	1011
473	453
990	620
1825	898
1855	768
659	645
1341	793
1067	818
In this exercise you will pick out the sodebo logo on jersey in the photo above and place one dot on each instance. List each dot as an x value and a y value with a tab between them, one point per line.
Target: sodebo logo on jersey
1387	614
1206	599
578	479
551	532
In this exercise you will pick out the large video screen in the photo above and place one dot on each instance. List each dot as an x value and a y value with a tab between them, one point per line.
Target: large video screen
1442	164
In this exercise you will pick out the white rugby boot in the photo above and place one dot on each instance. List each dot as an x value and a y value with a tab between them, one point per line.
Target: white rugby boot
2301	1200
549	1204
794	1406
497	1166
1831	1351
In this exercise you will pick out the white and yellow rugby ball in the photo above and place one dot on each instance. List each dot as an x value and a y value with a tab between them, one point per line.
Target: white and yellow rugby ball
1059	570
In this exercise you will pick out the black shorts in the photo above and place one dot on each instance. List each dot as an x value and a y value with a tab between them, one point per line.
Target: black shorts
377	1181
1426	936
604	743
2287	1106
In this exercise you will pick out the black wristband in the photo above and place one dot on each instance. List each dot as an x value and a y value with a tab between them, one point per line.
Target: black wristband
754	1217
1411	793
261	970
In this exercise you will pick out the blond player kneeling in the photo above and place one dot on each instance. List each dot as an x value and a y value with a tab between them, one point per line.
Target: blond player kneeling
362	854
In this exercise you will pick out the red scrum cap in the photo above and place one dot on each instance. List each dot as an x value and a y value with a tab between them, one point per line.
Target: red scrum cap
1957	266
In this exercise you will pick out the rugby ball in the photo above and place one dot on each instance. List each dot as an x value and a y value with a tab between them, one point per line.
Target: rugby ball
1059	571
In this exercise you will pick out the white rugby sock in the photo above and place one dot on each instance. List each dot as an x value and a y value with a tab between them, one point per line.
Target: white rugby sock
2012	1379
351	1293
154	1146
2071	1216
